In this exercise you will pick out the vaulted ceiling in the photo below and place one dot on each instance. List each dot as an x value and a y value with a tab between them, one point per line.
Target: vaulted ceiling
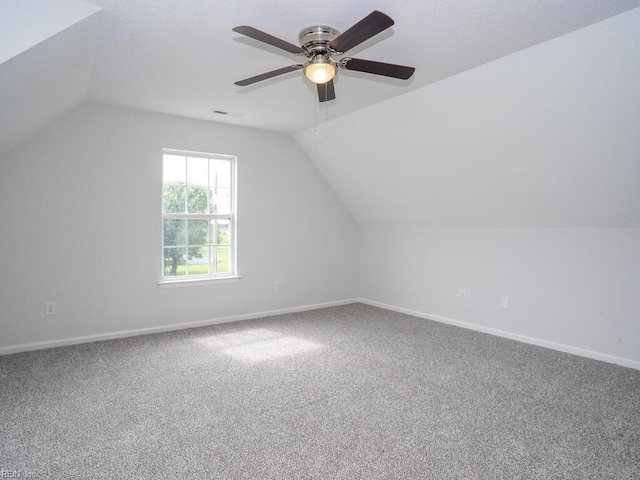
546	137
181	58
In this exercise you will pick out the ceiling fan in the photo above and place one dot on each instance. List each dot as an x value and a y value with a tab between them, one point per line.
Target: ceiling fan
320	44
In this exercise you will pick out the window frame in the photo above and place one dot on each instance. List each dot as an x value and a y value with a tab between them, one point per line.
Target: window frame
208	278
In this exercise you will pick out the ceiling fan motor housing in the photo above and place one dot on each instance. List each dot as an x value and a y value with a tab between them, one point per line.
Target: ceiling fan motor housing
315	40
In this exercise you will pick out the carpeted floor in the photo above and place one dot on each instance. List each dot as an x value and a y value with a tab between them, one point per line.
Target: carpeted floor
351	392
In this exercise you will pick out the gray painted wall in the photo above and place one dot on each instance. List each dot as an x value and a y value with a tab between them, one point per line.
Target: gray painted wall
82	227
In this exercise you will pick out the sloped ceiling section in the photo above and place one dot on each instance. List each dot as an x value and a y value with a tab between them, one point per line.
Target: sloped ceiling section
25	23
548	136
47	54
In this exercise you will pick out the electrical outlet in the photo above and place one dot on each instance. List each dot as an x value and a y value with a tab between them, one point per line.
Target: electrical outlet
504	301
278	286
462	295
50	308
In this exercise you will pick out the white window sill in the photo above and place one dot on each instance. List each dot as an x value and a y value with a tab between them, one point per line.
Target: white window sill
196	282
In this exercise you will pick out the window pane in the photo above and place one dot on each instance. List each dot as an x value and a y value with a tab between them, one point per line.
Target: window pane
220	200
198	232
173	198
197	199
173	169
219	173
223	236
198	172
174	261
175	233
223	259
198	260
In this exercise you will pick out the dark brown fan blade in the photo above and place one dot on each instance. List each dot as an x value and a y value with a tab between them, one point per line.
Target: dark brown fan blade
266	76
266	38
366	28
379	68
326	91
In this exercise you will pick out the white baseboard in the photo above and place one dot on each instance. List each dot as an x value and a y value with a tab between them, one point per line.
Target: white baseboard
166	328
513	336
248	316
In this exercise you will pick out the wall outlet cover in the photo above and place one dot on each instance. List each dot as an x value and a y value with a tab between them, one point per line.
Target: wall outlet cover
504	301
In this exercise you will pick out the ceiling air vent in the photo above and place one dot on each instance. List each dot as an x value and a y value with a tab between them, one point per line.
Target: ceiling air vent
228	114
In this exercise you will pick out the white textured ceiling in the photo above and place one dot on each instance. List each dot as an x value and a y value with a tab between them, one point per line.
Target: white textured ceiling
181	57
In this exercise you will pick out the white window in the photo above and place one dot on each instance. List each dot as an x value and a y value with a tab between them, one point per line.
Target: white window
198	216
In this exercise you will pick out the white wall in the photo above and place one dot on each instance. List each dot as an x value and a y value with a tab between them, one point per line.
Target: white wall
577	287
543	146
81	226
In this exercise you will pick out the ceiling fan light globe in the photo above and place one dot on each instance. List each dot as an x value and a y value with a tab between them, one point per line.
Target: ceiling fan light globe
320	73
